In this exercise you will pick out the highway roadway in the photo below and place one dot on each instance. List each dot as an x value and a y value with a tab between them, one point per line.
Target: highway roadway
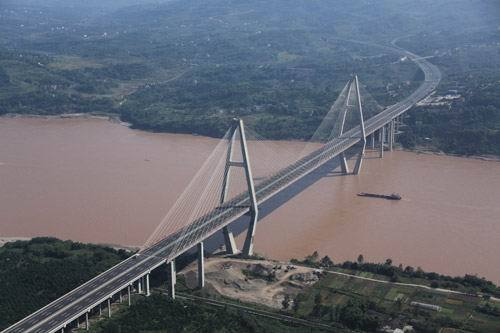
76	303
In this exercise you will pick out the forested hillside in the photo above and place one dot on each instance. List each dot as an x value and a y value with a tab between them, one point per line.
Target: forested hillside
34	273
191	66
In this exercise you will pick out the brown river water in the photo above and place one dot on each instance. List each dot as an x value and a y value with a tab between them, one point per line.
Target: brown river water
96	181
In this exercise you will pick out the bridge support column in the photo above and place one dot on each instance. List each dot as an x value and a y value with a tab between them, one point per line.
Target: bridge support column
109	307
361	155
394	131
359	160
87	325
381	139
343	164
248	246
120	296
129	295
201	265
148	290
139	285
229	241
372	136
100	309
171	279
390	135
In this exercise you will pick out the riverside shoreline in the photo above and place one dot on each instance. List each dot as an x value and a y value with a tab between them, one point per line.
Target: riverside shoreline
5	240
115	118
128	248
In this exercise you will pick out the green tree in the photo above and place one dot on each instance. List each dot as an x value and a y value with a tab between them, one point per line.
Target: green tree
361	259
326	262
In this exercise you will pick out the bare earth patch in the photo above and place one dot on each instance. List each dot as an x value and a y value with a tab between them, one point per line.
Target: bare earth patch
262	282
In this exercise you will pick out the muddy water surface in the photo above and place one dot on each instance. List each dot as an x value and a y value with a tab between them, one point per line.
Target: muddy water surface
96	181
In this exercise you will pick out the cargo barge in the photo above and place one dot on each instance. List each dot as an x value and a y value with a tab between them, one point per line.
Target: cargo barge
393	196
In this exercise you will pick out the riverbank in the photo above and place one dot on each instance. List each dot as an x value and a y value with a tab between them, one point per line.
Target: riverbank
115	118
322	294
5	240
429	151
266	281
112	117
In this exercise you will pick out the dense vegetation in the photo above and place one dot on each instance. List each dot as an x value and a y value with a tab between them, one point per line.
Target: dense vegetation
158	314
191	66
368	305
467	283
470	124
34	273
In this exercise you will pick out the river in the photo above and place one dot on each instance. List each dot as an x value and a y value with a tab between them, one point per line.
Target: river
96	181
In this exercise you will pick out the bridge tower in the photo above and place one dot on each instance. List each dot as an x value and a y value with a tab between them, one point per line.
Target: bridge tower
354	85
239	128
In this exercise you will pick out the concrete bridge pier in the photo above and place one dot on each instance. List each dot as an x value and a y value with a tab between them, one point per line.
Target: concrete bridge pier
248	246
343	164
171	279
390	135
394	131
129	298
201	265
109	307
231	247
372	138
359	161
381	141
148	291
87	325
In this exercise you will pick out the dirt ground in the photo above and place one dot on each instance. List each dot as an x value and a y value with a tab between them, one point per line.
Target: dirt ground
263	282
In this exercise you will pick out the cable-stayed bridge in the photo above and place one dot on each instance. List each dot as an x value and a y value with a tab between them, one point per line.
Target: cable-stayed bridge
188	225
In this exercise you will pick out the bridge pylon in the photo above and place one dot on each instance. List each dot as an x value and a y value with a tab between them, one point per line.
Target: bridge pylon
361	153
354	85
239	128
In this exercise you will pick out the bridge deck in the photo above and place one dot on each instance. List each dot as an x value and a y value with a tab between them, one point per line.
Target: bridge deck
57	314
